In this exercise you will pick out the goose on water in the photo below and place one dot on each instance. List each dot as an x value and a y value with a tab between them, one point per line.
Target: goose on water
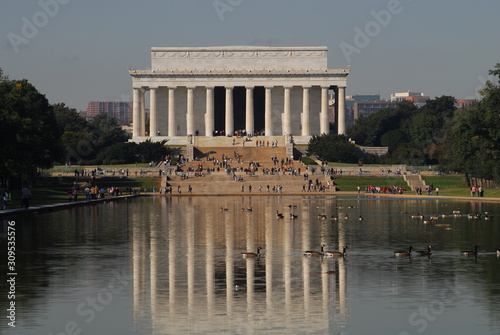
470	252
336	253
314	252
252	254
427	252
402	253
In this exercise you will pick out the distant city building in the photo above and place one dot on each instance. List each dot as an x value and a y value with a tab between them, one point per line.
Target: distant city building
366	108
418	101
120	110
351	99
349	106
397	97
463	103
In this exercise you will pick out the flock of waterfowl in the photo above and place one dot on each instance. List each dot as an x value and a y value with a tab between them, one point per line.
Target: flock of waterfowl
454	214
431	219
343	253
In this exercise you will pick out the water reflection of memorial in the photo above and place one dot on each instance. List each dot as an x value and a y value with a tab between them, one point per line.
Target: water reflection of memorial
189	274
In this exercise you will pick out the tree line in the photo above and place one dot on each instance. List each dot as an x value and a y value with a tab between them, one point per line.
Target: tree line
465	141
37	135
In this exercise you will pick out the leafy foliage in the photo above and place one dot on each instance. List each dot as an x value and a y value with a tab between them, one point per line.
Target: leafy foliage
472	143
333	148
29	131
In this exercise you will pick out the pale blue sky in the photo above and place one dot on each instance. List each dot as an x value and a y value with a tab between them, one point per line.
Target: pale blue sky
81	50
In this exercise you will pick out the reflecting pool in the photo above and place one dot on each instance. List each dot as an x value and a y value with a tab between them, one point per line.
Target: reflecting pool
174	266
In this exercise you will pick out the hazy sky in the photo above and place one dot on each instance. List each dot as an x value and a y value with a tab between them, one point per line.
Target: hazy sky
75	51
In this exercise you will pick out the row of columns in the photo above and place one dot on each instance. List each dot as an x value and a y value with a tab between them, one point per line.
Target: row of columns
139	112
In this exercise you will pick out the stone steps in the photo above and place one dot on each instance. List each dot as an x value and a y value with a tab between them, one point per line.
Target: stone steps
225	184
415	181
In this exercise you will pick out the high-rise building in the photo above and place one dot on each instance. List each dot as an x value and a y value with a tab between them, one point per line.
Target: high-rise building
366	108
120	110
397	97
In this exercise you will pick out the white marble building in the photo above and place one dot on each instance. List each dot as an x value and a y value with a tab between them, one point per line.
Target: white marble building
207	90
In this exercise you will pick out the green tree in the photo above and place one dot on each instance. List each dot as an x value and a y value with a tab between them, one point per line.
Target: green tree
119	153
368	131
74	129
149	151
472	144
332	148
103	132
29	131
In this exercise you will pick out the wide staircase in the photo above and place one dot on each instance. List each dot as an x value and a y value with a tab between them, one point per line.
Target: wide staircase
415	180
240	152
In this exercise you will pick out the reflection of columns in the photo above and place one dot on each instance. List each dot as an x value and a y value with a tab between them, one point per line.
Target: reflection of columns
210	261
172	127
229	265
250	263
209	116
324	126
229	111
250	286
287	119
136	265
171	265
306	274
249	117
143	112
306	128
341	102
190	241
268	116
153	267
136	114
287	268
153	123
325	289
269	259
342	271
190	111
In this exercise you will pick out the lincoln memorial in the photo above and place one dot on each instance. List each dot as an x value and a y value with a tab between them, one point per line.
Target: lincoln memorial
209	91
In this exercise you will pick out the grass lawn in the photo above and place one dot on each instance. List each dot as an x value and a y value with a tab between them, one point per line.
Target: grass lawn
349	183
455	185
49	190
450	185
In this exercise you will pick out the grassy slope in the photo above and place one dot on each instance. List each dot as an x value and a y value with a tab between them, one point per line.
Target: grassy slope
350	183
54	189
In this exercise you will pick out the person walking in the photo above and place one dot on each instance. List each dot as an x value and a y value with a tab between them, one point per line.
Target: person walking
5	198
25	197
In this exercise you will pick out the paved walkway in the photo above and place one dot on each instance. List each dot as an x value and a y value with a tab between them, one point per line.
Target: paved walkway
11	212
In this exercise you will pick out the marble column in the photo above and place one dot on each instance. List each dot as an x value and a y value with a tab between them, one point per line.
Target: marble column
268	116
287	118
190	111
136	114
324	126
209	116
341	102
306	128
153	119
172	127
229	126
143	112
249	117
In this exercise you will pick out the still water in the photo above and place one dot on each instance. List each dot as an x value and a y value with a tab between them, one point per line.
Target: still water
174	266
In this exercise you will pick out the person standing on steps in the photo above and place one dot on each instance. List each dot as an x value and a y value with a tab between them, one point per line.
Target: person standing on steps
25	197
